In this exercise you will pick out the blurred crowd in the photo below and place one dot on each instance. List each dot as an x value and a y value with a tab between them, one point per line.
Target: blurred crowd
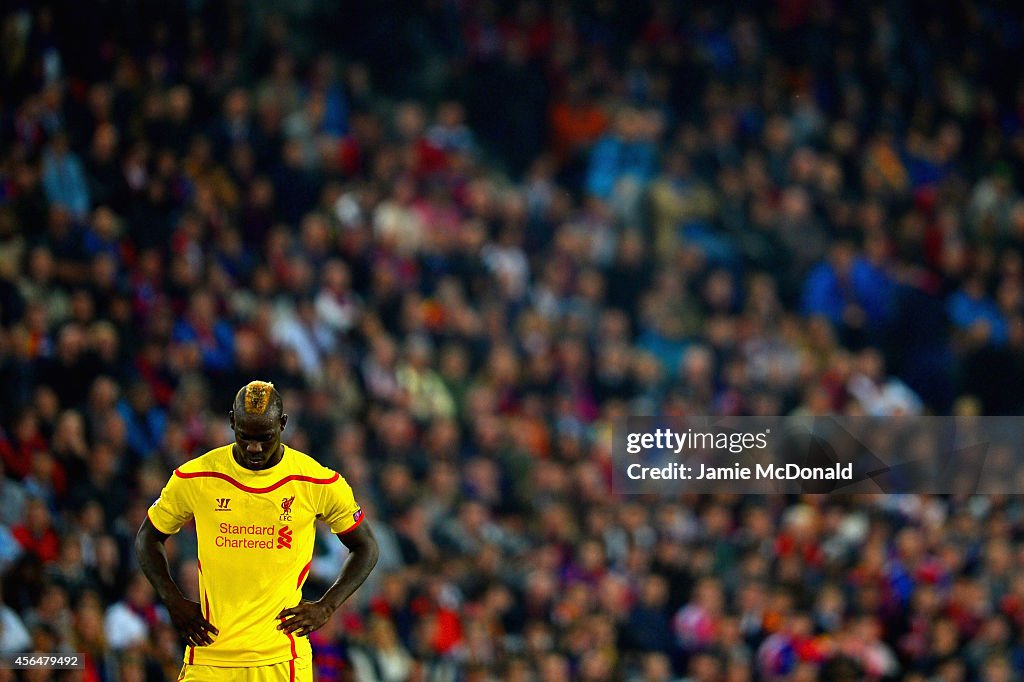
463	236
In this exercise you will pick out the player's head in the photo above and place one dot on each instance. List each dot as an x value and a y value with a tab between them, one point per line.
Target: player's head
257	419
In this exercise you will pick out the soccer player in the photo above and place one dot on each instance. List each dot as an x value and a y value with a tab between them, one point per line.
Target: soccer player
255	503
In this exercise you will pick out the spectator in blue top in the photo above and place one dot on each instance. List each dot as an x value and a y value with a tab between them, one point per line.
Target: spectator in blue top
872	285
215	338
849	290
324	79
972	311
64	178
143	419
628	151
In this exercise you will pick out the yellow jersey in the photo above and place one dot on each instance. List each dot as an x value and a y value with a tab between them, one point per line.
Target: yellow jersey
256	531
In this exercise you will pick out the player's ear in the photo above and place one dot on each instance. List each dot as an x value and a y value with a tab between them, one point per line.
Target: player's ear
231	419
284	420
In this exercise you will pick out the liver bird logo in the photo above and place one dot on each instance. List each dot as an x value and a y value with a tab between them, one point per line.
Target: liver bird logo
286	508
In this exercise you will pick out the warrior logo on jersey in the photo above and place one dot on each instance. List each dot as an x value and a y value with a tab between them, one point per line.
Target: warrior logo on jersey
286	508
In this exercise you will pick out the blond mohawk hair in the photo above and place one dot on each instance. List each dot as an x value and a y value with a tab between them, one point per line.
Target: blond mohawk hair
257	396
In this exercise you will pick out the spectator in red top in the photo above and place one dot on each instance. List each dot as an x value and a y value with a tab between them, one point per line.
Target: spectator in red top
576	121
25	441
36	534
411	124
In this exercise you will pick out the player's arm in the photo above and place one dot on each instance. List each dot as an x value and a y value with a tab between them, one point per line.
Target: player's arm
186	614
362	557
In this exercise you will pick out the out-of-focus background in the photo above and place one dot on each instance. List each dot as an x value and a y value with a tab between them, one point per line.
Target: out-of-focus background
461	236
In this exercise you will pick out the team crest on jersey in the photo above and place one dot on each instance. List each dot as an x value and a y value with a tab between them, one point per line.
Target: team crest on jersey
286	508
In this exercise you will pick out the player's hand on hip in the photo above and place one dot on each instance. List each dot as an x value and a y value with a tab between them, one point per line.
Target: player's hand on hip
305	618
193	627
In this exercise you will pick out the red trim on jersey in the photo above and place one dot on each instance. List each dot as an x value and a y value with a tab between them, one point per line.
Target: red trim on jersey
291	670
206	600
302	576
191	655
199	564
292	640
249	489
354	525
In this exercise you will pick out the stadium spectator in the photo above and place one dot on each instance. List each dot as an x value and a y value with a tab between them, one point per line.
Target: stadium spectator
36	534
14	637
64	178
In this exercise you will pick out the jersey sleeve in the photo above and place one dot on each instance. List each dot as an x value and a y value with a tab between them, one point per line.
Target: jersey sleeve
173	509
338	507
